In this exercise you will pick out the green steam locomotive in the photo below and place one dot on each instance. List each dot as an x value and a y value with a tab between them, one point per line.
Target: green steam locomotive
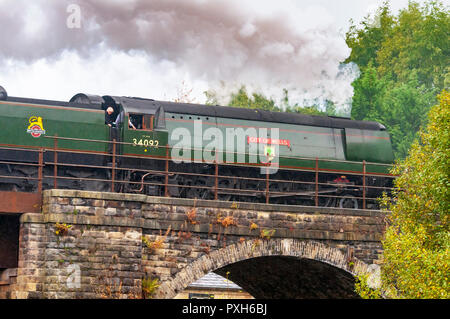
308	157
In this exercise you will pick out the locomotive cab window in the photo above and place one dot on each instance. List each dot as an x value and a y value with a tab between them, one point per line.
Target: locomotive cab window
136	120
144	122
147	121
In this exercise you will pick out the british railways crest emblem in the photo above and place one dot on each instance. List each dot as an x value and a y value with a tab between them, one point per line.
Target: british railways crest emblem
36	128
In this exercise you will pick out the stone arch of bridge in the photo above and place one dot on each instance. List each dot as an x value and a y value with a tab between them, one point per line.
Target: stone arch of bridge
314	251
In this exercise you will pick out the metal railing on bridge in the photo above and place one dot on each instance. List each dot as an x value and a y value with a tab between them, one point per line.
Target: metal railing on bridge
319	190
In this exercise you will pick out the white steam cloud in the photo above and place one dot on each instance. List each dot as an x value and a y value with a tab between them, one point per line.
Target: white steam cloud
136	47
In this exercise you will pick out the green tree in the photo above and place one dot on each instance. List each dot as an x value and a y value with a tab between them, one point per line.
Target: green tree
211	97
258	101
309	110
417	240
404	63
367	95
368	39
404	107
418	41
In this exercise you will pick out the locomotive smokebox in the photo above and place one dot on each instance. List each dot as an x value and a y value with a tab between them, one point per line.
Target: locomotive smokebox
3	94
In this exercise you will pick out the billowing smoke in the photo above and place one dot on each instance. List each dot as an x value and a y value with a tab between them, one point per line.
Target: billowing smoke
212	41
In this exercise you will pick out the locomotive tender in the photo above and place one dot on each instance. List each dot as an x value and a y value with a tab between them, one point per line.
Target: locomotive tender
302	145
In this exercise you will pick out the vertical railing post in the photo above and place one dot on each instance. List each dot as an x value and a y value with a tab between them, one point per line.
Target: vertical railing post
40	168
267	184
55	161
113	165
364	184
317	183
216	179
166	178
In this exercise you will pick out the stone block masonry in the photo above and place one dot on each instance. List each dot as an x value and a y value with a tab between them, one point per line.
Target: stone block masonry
101	245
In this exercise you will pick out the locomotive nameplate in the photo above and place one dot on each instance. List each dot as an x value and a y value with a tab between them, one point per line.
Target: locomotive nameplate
270	141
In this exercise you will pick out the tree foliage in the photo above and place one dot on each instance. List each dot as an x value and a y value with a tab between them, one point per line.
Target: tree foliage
255	101
417	241
404	63
368	90
243	99
419	41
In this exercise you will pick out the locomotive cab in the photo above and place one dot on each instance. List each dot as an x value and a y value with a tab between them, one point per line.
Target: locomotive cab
148	132
144	114
144	134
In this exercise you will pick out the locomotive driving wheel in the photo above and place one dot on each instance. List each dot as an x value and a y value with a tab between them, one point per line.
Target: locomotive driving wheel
221	193
348	201
196	188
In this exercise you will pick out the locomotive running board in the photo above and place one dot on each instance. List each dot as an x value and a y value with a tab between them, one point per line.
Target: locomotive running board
20	202
305	193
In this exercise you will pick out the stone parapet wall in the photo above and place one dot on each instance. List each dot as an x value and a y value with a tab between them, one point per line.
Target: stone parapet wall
94	245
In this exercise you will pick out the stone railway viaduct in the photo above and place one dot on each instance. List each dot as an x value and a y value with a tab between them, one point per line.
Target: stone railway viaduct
101	245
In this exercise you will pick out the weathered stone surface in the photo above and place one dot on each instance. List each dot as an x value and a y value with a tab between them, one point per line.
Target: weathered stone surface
114	240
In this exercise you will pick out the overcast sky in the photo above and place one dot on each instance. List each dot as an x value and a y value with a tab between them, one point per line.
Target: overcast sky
155	48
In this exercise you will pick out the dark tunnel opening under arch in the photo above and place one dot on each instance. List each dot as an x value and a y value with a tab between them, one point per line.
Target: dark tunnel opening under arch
286	277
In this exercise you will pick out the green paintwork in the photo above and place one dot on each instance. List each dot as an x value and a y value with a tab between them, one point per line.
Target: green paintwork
63	121
145	143
306	142
372	146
